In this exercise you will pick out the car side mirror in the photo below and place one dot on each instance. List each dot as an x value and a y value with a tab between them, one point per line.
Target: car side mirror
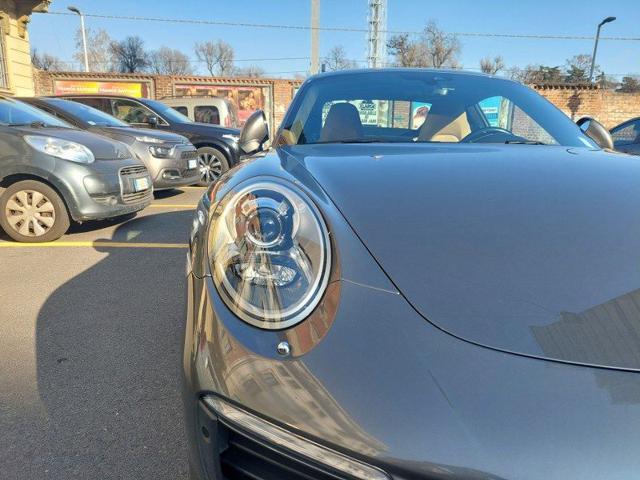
254	134
596	131
152	120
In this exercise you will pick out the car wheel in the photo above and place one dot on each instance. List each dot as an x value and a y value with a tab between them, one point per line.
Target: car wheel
33	212
212	164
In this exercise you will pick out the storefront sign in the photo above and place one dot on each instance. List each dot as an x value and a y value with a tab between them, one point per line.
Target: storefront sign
129	89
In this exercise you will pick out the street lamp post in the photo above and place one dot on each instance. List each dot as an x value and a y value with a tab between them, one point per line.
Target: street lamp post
84	35
595	47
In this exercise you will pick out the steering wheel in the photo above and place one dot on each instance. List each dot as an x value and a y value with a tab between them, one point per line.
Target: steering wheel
485	132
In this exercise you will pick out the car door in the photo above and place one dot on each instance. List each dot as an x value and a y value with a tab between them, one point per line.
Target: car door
626	137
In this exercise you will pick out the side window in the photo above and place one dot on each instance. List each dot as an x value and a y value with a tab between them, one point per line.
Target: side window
627	134
206	114
182	110
99	103
130	111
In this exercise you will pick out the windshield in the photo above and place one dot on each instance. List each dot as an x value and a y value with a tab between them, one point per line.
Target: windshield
16	113
85	113
425	106
166	112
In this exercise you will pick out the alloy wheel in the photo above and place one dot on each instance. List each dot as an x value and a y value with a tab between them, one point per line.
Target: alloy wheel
30	213
210	167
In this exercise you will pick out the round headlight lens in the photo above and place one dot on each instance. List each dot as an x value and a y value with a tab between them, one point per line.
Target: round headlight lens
270	254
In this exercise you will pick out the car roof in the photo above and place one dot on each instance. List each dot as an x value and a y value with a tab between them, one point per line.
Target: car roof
377	71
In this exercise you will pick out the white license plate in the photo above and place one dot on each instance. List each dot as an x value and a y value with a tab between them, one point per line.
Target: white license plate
193	163
140	184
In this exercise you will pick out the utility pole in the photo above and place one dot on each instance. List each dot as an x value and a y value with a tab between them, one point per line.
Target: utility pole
315	34
377	36
84	35
595	46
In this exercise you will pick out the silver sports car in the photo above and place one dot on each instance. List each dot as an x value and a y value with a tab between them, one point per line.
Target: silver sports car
432	275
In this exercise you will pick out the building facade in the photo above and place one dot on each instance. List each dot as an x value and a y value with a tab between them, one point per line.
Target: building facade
16	71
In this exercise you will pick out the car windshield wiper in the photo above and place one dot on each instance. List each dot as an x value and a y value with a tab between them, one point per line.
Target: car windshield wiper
35	124
524	142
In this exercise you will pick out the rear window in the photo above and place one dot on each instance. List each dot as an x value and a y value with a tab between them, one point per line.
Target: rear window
206	114
183	110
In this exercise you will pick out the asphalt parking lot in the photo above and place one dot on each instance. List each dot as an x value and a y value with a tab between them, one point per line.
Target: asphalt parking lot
90	348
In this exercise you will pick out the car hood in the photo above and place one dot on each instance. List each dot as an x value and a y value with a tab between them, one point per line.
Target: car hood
101	147
524	248
119	132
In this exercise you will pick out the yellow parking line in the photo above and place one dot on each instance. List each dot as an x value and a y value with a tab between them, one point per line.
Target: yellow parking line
102	244
170	205
192	188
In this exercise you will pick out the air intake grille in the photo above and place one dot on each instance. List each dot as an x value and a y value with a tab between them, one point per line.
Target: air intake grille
247	459
137	197
189	154
136	170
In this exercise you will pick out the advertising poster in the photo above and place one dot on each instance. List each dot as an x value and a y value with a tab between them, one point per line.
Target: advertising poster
246	99
129	89
419	112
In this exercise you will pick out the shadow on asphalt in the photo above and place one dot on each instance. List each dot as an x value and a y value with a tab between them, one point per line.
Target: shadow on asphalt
167	193
108	348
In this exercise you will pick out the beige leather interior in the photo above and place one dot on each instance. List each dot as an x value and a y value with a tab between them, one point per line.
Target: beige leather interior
452	132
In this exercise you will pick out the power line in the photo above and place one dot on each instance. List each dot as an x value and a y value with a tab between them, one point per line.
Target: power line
335	29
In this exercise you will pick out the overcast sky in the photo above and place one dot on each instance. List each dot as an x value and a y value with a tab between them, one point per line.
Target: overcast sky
54	33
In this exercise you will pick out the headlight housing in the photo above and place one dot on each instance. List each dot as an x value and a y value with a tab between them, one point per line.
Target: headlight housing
60	148
270	254
160	151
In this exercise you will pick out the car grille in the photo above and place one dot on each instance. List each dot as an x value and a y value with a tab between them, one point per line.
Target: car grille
189	154
135	170
137	197
247	459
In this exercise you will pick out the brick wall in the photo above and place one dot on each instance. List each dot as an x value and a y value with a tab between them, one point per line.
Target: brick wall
281	91
608	107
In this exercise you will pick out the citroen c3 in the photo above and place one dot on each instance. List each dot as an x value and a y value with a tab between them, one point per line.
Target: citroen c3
52	174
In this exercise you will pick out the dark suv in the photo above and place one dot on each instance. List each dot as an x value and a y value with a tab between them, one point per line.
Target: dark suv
52	173
217	146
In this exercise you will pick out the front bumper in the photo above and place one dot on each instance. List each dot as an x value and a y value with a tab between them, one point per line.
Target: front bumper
104	189
173	171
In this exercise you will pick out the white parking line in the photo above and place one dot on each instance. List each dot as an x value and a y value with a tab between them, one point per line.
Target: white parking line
102	244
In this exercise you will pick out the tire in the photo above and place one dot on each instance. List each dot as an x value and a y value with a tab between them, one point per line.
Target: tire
212	163
32	212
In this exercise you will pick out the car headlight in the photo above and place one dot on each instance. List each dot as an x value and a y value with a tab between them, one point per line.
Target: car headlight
160	152
270	254
145	139
57	147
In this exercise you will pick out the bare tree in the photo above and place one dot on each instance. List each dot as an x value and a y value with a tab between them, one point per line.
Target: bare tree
407	53
337	60
252	71
492	65
169	61
46	62
99	50
443	48
218	57
630	84
435	48
129	55
578	68
535	74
